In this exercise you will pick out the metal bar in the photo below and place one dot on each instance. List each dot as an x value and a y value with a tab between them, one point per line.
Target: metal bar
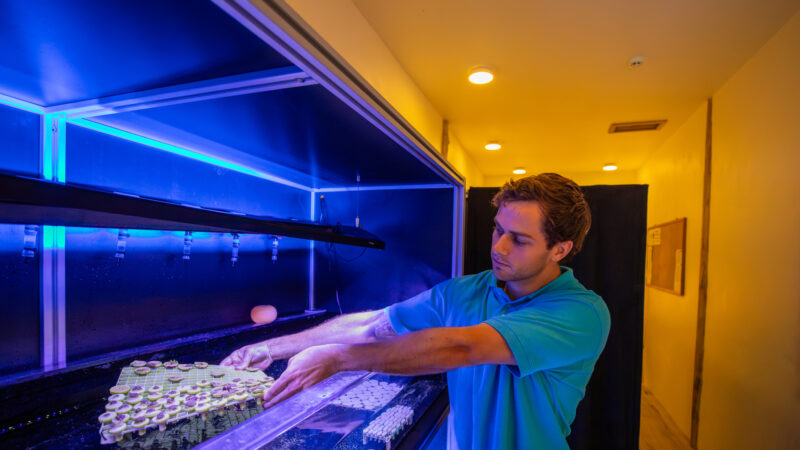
60	292
59	143
45	243
266	426
186	153
312	217
46	155
458	231
385	188
52	289
47	303
20	104
276	24
27	200
248	83
60	148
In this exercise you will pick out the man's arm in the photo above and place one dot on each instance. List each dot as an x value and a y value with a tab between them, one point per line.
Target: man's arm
432	350
357	328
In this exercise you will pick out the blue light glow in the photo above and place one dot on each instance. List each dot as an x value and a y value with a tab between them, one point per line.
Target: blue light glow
47	236
61	157
195	234
313	207
47	148
146	233
61	237
138	233
84	230
384	187
20	104
54	237
184	152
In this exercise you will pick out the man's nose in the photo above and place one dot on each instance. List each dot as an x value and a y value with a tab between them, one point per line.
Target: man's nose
501	246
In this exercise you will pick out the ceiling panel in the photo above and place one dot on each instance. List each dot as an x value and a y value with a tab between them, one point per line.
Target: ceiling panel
59	52
561	74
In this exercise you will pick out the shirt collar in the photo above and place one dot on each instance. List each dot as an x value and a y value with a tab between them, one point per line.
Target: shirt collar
560	283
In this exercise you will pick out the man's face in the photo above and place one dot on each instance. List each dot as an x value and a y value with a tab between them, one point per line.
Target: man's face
519	246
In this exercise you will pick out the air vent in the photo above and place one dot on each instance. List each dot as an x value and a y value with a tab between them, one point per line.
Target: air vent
646	125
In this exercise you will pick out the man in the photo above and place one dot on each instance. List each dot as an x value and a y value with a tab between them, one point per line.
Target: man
518	342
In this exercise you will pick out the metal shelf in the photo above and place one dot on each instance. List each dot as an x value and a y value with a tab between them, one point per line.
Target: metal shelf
33	201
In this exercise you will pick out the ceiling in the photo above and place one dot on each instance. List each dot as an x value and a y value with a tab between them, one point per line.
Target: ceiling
561	75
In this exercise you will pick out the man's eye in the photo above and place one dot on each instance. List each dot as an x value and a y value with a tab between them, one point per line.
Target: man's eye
519	242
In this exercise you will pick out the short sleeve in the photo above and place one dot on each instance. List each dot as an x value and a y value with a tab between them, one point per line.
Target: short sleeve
553	334
424	310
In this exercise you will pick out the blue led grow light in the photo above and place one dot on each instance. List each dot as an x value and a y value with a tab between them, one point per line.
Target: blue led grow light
184	152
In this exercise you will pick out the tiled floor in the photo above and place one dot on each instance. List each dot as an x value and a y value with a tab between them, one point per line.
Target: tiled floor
657	430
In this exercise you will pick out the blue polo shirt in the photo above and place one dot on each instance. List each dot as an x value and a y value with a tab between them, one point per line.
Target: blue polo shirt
556	335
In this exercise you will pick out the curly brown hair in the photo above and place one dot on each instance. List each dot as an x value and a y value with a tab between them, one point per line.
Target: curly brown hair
566	213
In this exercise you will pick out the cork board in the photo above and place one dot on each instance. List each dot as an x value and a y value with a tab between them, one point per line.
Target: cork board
666	256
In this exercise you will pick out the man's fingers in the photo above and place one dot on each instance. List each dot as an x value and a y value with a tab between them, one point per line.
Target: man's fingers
277	388
263	364
287	391
230	359
244	361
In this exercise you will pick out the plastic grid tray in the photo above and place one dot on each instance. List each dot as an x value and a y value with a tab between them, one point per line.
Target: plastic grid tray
193	428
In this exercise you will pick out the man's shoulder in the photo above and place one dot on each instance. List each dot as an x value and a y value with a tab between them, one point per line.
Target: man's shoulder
571	288
575	299
469	282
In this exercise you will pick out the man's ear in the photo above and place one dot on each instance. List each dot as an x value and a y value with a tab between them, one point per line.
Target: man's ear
560	251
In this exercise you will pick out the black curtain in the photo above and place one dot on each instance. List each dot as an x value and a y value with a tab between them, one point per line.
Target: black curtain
611	264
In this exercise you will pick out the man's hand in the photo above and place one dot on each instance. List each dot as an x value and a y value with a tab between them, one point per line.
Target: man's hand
255	355
432	350
355	328
304	370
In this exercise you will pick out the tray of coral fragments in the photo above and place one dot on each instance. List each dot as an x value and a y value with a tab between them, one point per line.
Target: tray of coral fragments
157	404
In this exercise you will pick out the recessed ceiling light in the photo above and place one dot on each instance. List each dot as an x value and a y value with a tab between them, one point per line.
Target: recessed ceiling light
493	146
609	167
519	171
480	75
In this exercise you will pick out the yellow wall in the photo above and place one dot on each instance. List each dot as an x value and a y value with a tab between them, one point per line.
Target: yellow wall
674	174
461	160
582	178
345	29
751	390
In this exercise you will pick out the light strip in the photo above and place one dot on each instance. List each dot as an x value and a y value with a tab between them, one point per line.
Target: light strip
311	300
47	147
61	156
54	237
20	104
246	83
48	236
385	188
457	265
61	237
185	153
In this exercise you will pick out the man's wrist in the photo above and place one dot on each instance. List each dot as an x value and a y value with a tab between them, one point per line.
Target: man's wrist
339	358
272	349
268	347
